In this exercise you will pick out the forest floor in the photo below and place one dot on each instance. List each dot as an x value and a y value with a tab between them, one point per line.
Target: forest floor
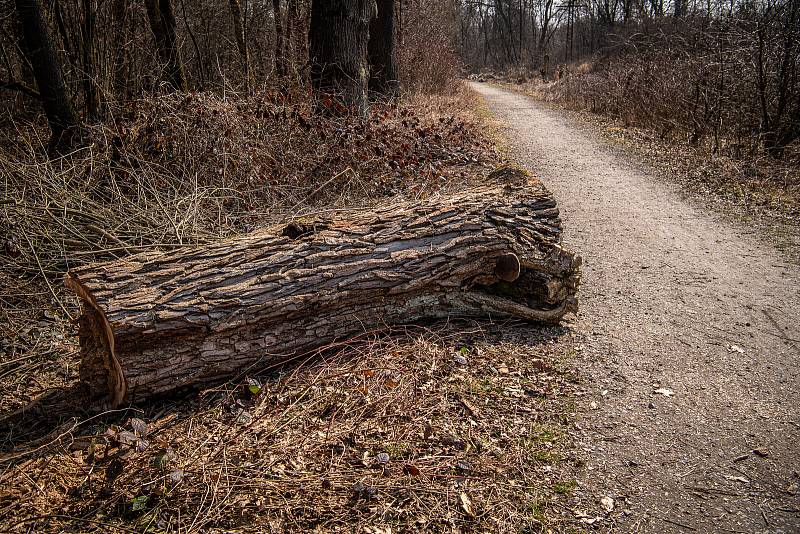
459	426
692	417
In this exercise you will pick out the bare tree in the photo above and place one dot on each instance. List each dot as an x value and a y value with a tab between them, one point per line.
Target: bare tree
119	14
61	116
241	43
280	58
91	102
382	54
162	22
338	39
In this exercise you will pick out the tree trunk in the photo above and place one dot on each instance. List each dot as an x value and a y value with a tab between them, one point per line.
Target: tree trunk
61	116
280	58
119	82
162	22
288	41
158	322
299	37
382	56
241	44
91	102
338	38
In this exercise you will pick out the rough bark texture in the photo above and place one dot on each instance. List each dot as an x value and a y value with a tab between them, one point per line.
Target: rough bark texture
241	43
38	45
338	39
119	82
163	24
280	58
158	322
382	56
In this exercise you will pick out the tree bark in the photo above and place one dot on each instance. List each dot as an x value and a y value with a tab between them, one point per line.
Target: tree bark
280	58
382	55
158	322
241	44
163	24
289	38
91	101
338	38
298	18
38	46
119	82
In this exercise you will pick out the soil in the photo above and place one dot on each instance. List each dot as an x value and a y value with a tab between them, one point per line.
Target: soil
691	421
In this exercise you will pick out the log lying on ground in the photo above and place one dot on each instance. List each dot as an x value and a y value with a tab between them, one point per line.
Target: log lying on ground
156	322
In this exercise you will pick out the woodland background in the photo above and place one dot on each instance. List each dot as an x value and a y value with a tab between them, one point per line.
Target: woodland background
225	126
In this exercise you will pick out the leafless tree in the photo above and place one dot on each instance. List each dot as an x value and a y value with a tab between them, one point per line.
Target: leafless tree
40	52
338	39
163	24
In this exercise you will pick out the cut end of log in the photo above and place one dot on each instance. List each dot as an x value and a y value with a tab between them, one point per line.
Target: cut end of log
100	369
537	291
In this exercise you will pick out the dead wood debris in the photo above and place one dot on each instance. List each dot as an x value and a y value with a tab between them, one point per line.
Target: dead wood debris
454	428
419	430
177	170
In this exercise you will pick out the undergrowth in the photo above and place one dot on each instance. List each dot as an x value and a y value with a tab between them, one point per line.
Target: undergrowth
453	427
178	170
382	435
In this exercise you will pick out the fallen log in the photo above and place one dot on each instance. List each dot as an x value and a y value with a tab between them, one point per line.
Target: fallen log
156	322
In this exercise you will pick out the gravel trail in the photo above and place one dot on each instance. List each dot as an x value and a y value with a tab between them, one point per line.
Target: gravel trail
691	420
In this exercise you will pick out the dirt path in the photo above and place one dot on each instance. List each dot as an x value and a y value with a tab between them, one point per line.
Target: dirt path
674	299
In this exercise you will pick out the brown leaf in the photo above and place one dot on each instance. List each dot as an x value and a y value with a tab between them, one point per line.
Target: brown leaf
411	470
138	426
471	407
466	504
124	437
391	383
11	247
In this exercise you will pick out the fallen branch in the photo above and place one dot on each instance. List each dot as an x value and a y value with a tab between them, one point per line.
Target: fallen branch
13	85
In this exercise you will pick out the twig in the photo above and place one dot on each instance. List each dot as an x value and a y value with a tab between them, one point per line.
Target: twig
46	279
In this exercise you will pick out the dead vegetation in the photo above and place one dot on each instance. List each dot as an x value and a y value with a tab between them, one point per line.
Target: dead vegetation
710	90
459	428
757	185
180	170
454	427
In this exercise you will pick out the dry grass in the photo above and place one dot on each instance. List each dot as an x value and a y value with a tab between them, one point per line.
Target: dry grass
446	428
461	427
178	170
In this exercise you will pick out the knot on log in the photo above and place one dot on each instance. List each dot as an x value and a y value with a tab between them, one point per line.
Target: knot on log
507	267
156	322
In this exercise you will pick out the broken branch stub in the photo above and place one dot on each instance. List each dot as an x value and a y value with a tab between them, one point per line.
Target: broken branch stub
156	322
